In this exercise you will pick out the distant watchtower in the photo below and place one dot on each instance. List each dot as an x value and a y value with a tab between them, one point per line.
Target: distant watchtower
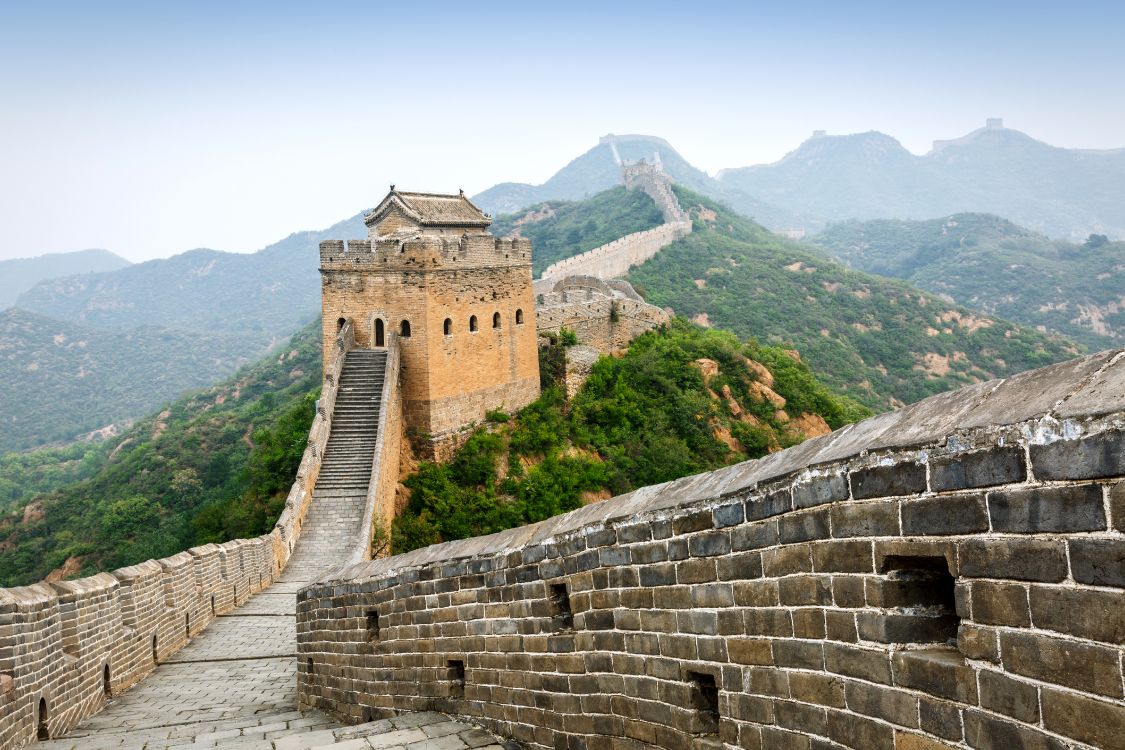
459	300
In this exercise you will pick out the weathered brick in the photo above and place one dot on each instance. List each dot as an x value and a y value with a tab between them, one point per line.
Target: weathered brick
1100	562
847	591
1093	457
739	566
961	471
842	556
793	558
820	490
910	741
796	591
978	643
939	672
947	514
798	654
754	536
1044	509
1086	613
1000	603
1117	506
1009	697
1015	558
854	661
818	688
865	519
709	545
1095	722
769	503
884	703
859	733
757	651
1093	669
906	478
891	627
730	514
840	626
801	717
989	733
940	718
804	525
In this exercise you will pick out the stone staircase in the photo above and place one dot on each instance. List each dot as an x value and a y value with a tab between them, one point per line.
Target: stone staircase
346	468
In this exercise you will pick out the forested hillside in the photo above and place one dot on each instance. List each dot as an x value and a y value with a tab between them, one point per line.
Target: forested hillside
881	341
20	274
214	465
576	227
988	263
59	380
682	400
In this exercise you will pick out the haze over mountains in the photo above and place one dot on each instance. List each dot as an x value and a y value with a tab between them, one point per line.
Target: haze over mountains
233	307
1068	193
20	274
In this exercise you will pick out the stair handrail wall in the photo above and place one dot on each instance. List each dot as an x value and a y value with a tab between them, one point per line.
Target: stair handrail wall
380	508
61	640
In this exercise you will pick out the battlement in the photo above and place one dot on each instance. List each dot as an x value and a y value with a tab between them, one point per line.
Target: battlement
423	252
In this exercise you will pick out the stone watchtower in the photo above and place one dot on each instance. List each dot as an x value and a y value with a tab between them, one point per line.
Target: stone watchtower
458	299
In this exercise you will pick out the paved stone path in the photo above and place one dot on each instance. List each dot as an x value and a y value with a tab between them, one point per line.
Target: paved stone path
235	684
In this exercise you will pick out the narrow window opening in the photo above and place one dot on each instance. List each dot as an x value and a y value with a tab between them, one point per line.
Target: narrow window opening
705	703
447	327
519	317
495	320
44	733
212	605
107	686
404	329
473	323
340	324
456	678
919	592
187	624
372	626
154	659
562	617
308	666
379	337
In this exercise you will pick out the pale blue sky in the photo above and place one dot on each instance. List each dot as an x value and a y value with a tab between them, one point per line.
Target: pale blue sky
150	130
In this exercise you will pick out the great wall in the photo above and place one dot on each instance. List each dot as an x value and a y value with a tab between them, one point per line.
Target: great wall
948	575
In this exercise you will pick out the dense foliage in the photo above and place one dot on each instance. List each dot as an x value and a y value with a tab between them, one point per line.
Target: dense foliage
577	227
988	263
682	400
214	465
879	340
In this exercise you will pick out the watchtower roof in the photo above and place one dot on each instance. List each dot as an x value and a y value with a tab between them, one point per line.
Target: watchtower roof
430	209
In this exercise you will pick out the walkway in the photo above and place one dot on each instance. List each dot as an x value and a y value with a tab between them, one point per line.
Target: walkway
235	684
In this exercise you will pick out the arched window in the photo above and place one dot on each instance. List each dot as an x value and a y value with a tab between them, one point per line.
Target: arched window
379	332
447	327
495	320
519	317
44	733
404	329
340	324
473	323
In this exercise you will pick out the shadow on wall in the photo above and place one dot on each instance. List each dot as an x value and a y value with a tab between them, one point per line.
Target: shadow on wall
949	574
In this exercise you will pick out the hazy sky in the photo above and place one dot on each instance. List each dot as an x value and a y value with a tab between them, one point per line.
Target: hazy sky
152	128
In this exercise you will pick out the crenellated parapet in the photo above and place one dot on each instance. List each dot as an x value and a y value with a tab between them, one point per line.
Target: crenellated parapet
67	647
424	252
948	575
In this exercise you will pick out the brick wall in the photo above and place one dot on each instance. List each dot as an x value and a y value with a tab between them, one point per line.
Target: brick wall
617	257
951	574
66	647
